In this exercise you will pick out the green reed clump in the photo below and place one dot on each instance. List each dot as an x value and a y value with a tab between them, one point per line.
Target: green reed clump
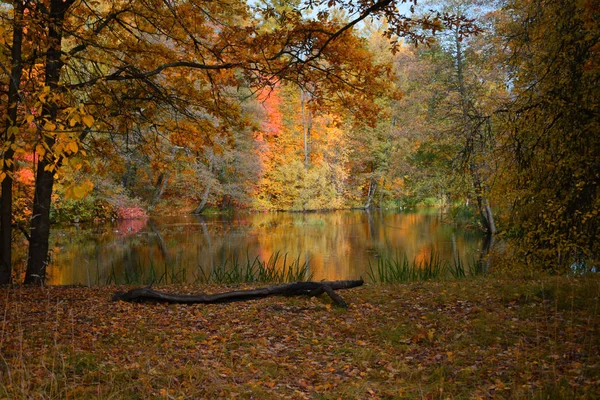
275	269
400	269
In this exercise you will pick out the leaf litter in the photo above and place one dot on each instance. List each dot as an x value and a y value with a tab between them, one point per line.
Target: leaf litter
474	338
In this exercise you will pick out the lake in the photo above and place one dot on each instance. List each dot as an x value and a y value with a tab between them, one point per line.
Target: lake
335	245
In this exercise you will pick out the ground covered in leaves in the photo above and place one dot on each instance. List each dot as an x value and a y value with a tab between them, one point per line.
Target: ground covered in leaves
472	338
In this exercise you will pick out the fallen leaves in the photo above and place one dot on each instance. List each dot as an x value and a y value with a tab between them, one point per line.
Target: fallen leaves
395	341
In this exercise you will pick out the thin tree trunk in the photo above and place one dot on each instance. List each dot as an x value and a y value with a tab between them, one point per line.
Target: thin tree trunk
160	190
306	128
206	194
44	182
371	193
204	200
485	210
8	166
163	180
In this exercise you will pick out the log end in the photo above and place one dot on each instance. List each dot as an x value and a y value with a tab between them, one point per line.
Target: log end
118	296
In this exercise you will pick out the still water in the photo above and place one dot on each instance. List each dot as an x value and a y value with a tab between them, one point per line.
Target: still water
336	245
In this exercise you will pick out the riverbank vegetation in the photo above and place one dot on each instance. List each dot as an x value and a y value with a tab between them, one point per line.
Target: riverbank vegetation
474	338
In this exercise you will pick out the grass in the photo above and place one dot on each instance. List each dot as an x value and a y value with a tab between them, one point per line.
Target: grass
396	269
275	269
478	337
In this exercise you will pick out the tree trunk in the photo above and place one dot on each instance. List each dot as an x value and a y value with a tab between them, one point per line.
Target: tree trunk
204	200
163	180
371	193
8	166
206	194
44	181
306	128
291	289
226	202
485	210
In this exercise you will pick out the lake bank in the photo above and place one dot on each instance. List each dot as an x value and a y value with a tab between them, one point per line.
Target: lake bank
477	337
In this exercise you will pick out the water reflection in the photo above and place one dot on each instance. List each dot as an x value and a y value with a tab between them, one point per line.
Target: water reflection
337	245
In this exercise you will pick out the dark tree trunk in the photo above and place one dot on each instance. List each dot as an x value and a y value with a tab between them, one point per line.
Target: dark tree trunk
226	202
9	138
44	181
291	289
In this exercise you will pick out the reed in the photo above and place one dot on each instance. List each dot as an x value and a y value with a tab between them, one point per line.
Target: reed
401	269
274	269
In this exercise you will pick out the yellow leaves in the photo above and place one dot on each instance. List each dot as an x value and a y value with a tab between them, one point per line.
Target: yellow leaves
79	191
40	150
75	163
430	334
13	130
49	126
72	147
88	120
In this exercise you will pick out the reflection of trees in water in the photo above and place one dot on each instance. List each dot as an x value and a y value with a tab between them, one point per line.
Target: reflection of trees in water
338	245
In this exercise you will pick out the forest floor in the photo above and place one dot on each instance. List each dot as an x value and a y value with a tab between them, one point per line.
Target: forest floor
469	338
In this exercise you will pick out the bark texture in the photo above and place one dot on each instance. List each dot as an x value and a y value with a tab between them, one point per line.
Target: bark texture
9	137
148	294
44	182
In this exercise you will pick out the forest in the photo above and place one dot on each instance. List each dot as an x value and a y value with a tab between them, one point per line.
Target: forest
118	109
486	110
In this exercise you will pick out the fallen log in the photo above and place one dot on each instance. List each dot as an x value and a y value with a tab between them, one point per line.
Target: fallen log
147	294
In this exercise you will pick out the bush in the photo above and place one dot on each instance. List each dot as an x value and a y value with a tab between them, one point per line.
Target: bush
90	208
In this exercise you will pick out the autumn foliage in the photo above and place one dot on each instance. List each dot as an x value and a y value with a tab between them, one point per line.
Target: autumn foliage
130	108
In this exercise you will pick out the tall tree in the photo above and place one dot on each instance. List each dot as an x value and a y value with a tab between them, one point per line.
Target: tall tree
10	131
471	112
551	169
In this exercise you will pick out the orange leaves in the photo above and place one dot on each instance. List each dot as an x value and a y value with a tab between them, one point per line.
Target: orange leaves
88	120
